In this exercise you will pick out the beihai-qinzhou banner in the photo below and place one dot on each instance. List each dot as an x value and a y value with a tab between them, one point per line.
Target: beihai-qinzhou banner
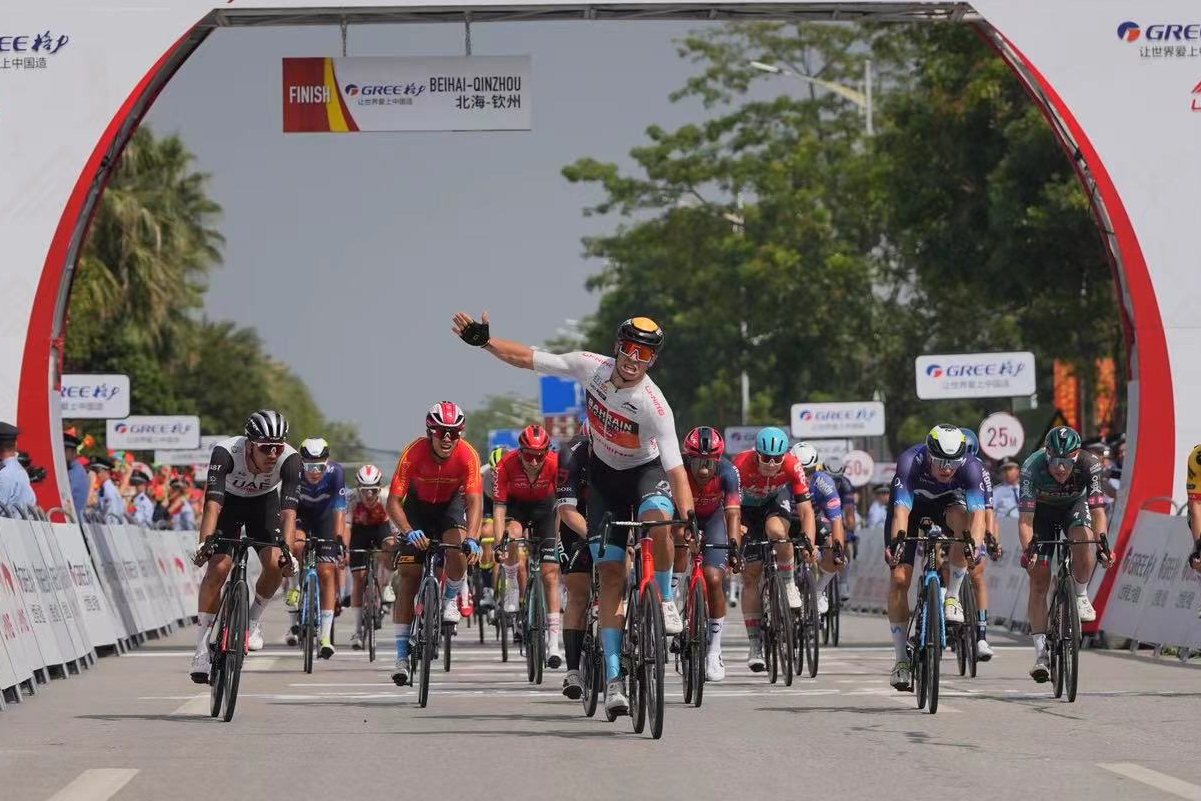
443	93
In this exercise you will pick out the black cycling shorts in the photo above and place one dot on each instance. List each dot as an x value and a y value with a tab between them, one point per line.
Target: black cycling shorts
366	537
537	520
259	514
1048	520
624	492
318	524
575	551
933	508
434	519
755	519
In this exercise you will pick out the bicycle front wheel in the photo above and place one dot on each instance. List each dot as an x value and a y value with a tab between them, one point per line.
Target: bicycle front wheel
811	621
431	619
697	646
835	615
235	641
372	613
535	632
654	658
785	633
591	671
768	625
217	655
308	622
633	654
934	641
970	637
1069	640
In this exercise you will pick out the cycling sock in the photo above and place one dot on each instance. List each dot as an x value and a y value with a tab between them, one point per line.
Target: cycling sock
786	572
824	581
716	624
511	576
554	627
675	583
326	617
358	618
573	643
663	579
1040	643
402	640
982	624
204	621
957	574
611	642
752	626
452	589
486	577
1081	589
898	641
258	607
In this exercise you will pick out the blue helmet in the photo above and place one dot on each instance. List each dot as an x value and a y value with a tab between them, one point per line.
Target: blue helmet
973	442
772	442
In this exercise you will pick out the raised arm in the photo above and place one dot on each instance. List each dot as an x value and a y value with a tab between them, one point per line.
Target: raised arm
478	334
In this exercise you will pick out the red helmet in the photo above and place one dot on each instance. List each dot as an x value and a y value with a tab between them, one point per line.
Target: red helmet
705	442
534	438
445	414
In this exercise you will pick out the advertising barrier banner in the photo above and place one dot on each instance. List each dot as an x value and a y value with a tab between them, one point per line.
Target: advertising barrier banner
95	608
430	93
41	643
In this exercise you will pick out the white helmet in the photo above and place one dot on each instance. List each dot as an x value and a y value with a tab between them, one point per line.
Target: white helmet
314	448
369	477
806	454
834	465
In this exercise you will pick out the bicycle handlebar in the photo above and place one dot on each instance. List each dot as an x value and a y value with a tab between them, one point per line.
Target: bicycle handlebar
607	522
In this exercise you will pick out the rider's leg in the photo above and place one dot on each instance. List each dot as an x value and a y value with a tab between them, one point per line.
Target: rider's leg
209	600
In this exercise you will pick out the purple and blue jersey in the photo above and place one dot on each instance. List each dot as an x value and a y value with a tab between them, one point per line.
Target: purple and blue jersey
914	481
328	494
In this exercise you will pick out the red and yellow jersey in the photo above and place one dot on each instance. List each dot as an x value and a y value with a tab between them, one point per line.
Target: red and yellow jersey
514	484
1193	477
423	476
758	489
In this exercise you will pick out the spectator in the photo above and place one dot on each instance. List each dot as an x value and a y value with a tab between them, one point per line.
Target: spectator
108	500
878	511
143	507
15	488
77	474
183	515
1006	493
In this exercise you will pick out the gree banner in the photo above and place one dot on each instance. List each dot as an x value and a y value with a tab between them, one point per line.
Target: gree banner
442	93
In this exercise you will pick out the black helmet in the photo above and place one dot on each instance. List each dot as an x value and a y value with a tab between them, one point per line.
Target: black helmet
267	425
642	330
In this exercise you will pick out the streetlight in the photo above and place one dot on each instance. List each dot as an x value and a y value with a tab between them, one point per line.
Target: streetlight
861	99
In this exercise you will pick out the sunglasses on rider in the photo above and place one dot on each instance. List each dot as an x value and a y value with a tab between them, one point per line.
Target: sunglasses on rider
771	459
947	464
532	456
438	432
269	448
639	353
1062	462
314	467
702	463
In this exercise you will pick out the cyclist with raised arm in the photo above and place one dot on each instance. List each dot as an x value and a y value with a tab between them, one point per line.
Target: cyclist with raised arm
770	478
435	496
321	515
525	499
717	497
1060	489
571	502
938	480
827	507
252	481
635	462
369	528
984	651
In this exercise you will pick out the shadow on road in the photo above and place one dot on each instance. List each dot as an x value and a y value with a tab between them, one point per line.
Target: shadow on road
199	717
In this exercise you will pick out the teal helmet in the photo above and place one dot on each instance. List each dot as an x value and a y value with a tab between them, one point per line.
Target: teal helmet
1062	442
772	442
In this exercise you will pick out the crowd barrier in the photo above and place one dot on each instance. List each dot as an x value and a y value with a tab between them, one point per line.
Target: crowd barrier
1156	597
69	591
1006	579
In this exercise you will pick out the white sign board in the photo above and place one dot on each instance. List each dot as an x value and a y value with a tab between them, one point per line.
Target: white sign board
741	438
864	419
144	432
975	375
95	396
430	93
1001	435
829	448
884	472
859	467
199	455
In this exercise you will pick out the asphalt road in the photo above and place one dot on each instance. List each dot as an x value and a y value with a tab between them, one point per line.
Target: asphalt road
135	727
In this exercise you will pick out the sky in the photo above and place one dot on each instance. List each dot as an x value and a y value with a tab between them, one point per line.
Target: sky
349	253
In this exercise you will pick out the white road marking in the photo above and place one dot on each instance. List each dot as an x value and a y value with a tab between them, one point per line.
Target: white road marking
97	784
196	705
1153	778
259	664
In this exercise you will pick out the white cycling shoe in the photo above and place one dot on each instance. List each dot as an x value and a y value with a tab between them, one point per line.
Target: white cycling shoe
387	594
672	624
953	610
201	666
715	668
983	650
255	640
823	604
1085	608
616	702
794	595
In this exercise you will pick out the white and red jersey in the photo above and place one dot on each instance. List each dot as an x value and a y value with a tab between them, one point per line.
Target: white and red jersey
630	426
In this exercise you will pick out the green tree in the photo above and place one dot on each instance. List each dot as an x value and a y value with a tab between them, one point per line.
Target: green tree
497	412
